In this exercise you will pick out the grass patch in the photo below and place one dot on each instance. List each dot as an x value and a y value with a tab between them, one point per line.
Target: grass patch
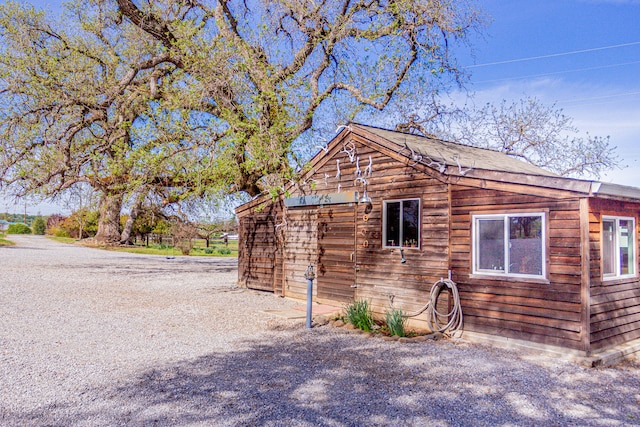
5	242
219	250
60	239
396	322
215	251
360	315
151	250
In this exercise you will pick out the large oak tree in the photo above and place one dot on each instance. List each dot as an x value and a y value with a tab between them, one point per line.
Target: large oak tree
188	97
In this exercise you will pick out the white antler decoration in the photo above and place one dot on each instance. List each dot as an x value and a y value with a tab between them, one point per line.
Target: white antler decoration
350	149
324	148
368	170
462	172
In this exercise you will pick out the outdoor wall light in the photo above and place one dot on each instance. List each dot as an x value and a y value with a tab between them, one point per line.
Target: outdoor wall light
365	199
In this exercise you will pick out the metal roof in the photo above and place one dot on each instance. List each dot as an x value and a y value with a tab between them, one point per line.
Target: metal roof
439	152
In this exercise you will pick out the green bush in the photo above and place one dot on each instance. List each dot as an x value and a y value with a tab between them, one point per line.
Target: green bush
396	322
18	229
59	232
208	251
360	315
224	251
39	226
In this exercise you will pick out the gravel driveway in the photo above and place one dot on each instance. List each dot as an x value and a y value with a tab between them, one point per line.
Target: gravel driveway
90	337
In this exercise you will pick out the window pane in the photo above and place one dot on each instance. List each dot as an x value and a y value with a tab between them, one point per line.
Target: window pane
393	224
525	245
608	247
410	222
490	244
625	239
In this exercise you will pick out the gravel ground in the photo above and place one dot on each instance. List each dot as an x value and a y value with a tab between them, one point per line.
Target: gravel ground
90	338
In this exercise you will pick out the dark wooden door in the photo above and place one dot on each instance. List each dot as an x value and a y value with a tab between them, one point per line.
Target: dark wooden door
336	254
300	250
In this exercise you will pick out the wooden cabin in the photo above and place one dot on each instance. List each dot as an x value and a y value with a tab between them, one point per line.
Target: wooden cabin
535	256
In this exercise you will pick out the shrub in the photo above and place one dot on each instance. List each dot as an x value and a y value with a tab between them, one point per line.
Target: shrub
208	251
183	234
59	232
360	315
224	251
396	322
18	229
39	226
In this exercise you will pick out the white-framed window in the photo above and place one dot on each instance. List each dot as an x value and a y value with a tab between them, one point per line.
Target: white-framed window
510	244
401	223
618	247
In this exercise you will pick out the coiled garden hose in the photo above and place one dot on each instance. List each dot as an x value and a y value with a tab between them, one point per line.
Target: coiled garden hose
455	315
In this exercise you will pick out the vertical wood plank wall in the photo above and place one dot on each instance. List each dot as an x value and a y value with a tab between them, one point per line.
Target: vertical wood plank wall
300	250
258	262
548	313
615	304
336	252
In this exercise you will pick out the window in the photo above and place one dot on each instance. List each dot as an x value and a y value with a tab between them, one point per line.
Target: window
618	243
509	244
401	223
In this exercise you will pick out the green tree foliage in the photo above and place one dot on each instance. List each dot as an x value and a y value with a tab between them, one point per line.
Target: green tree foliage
81	224
82	106
18	229
178	99
39	226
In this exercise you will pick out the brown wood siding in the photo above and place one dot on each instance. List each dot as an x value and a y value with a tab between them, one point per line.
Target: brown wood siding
258	259
336	252
615	304
300	249
380	276
534	310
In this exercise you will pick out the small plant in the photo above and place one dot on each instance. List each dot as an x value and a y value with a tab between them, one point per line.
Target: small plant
224	251
396	322
18	229
360	315
39	226
208	251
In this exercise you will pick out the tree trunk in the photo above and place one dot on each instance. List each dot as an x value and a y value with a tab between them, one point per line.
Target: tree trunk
109	220
135	211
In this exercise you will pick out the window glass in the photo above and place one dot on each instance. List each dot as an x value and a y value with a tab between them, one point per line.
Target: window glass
393	224
491	244
608	247
525	245
626	246
410	222
618	247
401	223
510	244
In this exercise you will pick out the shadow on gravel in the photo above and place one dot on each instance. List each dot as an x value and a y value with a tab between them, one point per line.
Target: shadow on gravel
323	381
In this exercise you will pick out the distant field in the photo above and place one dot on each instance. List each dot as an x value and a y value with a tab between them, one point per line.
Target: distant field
216	248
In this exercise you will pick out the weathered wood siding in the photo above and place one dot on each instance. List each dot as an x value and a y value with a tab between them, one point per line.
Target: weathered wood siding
336	252
615	304
259	265
379	274
300	249
533	310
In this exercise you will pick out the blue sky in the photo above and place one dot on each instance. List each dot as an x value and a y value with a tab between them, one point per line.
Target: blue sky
583	55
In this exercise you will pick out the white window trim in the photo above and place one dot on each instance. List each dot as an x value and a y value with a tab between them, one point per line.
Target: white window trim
503	273
617	275
384	223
